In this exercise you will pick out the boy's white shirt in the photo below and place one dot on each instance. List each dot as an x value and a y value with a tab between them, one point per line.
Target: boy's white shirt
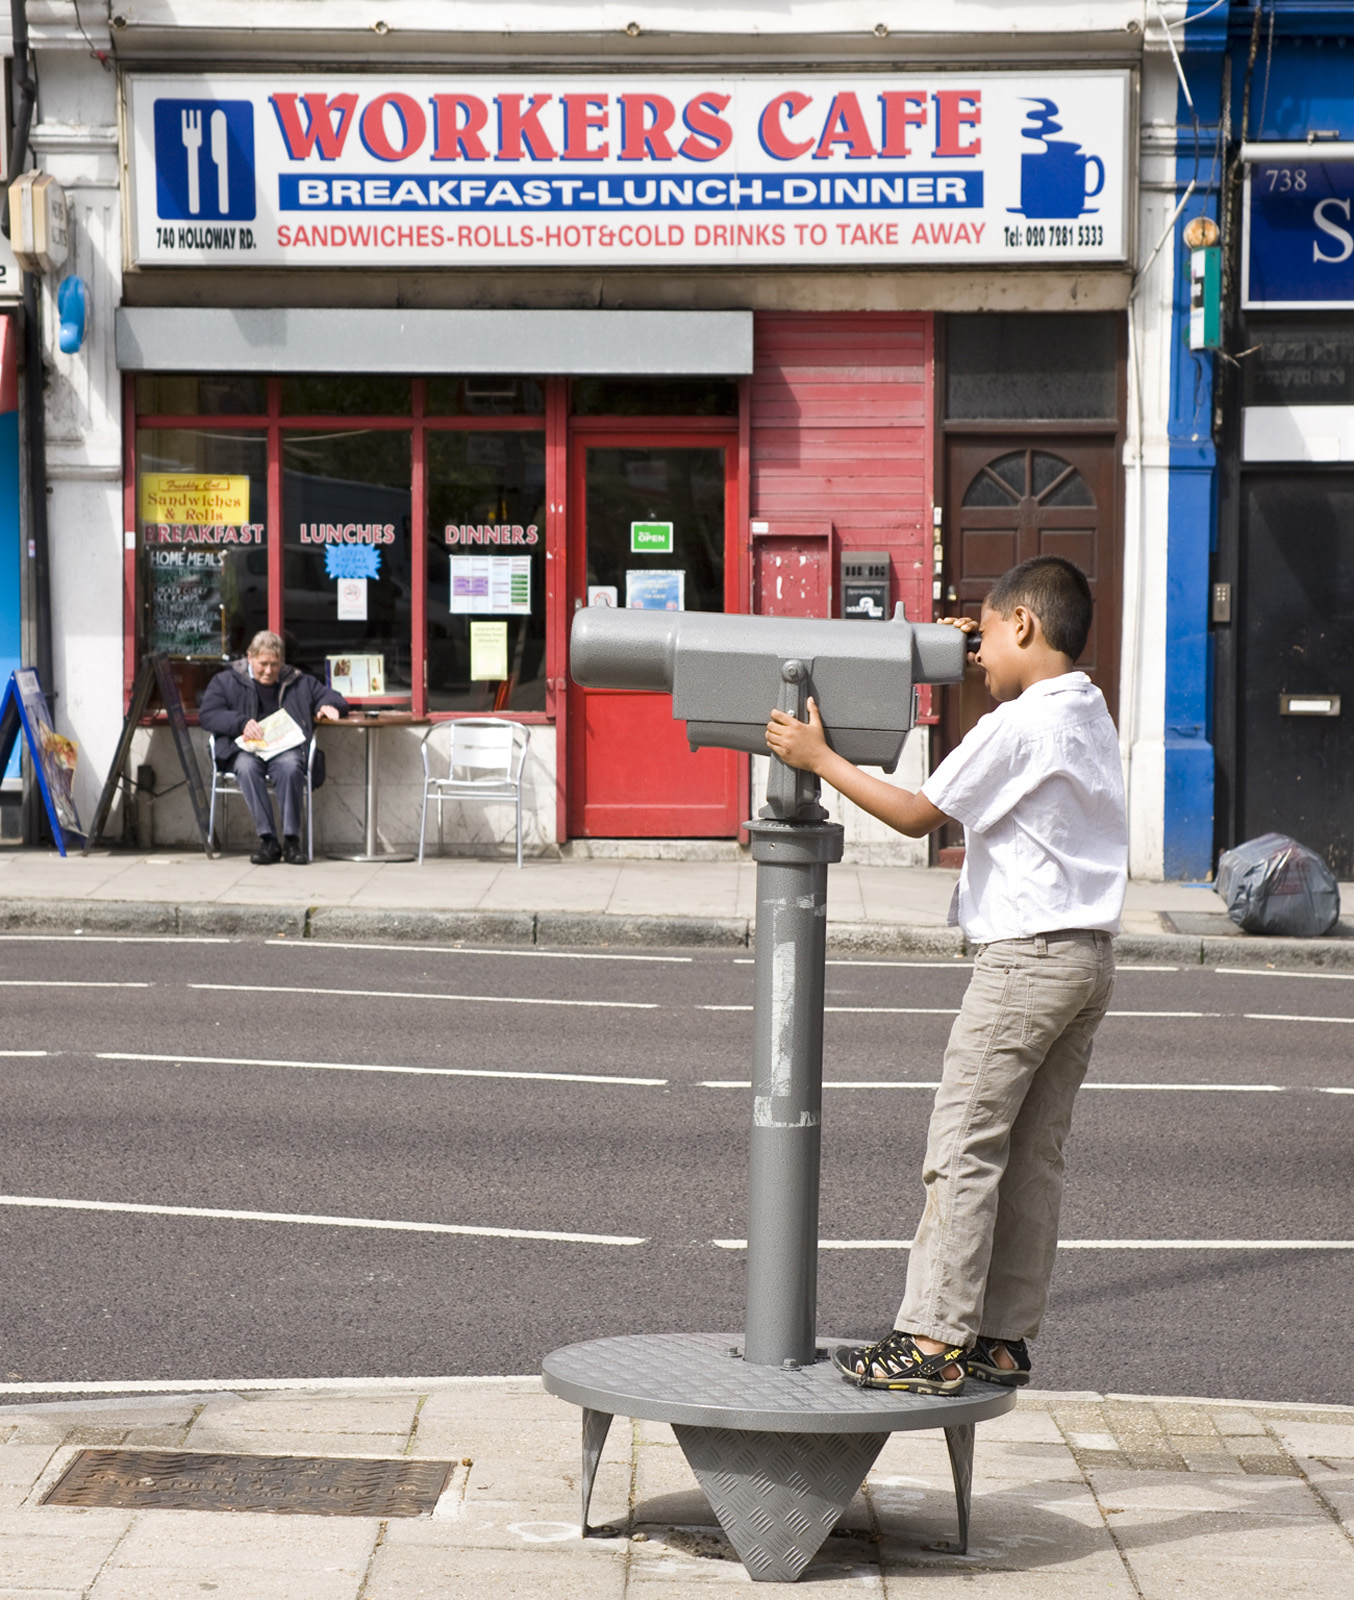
1038	786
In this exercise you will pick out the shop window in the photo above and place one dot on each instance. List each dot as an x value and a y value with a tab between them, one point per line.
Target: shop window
202	559
485	397
486	571
1307	364
653	397
347	552
1030	368
347	396
189	395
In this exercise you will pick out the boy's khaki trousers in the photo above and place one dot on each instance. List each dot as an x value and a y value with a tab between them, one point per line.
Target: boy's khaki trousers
1019	1049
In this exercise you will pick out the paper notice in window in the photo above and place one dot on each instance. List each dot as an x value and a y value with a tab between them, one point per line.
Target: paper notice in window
649	589
491	586
488	651
352	600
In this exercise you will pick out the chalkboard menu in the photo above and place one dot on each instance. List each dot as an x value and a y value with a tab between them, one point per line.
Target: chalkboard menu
185	593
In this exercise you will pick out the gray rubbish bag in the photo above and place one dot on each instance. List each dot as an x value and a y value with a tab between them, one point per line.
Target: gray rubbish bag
1273	884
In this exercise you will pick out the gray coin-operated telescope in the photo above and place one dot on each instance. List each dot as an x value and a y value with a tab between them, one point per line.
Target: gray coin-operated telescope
778	1442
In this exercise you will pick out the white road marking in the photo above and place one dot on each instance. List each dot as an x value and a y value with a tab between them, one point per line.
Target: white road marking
1168	1013
1279	1016
23	1052
1265	972
351	1066
920	1083
1335	1091
40	1202
474	950
110	938
898	1011
394	994
1206	1244
953	1011
1092	1244
955	964
250	1385
1199	1088
883	1011
836	1083
67	983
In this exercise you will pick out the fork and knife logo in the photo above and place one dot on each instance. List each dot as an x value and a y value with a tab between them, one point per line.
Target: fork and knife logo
191	126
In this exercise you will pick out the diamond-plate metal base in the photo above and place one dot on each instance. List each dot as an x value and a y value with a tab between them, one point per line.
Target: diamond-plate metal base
701	1379
778	1495
793	1421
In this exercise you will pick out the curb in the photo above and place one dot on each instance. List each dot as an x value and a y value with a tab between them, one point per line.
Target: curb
419	927
563	928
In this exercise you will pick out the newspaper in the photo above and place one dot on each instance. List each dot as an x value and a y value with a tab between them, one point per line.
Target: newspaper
280	732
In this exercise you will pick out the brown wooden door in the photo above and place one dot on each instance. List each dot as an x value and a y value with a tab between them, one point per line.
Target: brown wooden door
1013	496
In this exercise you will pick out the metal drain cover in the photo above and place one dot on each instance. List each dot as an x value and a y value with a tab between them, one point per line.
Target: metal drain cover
312	1486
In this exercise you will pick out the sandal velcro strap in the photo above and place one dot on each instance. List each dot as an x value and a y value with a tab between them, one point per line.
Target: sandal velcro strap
898	1362
981	1362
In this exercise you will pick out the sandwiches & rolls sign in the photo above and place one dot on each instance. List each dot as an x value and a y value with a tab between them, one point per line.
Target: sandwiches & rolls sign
1022	169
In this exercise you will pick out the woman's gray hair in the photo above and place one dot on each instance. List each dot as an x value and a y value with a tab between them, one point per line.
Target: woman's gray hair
265	643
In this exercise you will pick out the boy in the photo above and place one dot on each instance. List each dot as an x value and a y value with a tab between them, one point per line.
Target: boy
1038	787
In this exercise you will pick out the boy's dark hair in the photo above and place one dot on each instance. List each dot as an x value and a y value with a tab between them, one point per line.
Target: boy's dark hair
1057	593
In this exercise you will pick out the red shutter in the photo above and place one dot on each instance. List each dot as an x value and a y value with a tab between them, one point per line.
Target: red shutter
841	433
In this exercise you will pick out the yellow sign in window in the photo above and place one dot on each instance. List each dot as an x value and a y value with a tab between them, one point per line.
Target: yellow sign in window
202	499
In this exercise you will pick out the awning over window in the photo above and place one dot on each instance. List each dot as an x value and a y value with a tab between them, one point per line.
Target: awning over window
622	343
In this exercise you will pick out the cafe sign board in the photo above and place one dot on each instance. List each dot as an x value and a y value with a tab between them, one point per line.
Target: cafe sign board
1014	168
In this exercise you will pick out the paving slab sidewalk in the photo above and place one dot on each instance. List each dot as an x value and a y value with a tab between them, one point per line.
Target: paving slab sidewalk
1076	1497
609	900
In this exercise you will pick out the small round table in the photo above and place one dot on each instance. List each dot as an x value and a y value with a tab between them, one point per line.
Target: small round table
370	723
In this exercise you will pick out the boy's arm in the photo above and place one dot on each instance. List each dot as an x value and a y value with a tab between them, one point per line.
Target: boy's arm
803	745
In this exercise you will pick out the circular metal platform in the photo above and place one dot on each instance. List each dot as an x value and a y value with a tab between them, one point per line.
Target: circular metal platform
693	1378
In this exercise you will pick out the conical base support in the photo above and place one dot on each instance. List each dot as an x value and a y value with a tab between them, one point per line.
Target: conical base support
778	1495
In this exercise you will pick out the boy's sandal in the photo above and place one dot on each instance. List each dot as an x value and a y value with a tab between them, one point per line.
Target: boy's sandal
981	1362
898	1362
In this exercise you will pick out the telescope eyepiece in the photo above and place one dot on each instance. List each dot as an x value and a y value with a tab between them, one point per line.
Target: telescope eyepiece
973	642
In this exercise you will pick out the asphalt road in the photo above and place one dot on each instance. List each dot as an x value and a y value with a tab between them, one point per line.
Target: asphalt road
598	1095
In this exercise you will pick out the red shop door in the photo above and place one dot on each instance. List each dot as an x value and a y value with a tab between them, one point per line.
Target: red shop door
654	522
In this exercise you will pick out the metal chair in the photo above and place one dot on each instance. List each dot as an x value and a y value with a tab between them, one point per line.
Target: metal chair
225	784
485	758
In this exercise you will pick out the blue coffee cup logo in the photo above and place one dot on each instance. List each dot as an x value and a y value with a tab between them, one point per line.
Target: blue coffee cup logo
1055	182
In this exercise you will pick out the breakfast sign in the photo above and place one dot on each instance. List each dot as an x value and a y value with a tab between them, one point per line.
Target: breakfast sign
1021	169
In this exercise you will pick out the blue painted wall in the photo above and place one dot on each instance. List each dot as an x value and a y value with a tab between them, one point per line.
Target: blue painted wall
1191	520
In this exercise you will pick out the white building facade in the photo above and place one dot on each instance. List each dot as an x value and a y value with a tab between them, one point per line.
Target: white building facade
887	329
